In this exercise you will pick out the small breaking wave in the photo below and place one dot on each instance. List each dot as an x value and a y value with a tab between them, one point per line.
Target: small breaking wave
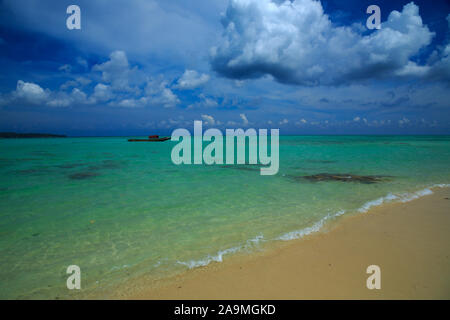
378	202
404	197
308	230
316	227
251	243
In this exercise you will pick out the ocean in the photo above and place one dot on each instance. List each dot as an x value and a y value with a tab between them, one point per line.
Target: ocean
121	210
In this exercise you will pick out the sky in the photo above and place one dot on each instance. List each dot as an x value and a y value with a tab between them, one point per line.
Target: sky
144	67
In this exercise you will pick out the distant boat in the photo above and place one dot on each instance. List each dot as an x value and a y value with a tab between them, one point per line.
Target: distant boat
150	139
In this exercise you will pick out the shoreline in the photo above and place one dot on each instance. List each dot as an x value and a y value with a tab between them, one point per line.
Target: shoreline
408	240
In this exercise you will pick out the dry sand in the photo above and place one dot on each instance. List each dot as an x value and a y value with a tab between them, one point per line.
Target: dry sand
409	241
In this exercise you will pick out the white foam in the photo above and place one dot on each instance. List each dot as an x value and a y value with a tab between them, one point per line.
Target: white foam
441	185
306	231
297	234
374	203
219	256
405	197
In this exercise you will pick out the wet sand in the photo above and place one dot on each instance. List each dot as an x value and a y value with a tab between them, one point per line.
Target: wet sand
410	242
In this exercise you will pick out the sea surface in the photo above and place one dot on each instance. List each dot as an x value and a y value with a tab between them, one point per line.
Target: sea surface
120	210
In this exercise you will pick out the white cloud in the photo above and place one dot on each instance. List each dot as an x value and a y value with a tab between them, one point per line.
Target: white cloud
116	71
65	68
78	95
356	119
82	62
403	121
295	42
204	102
440	69
191	79
126	86
103	92
63	99
208	119
239	83
30	92
128	103
121	86
158	93
413	69
244	119
168	98
77	82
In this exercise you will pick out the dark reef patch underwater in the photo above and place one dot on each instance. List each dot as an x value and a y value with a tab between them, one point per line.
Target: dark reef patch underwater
83	175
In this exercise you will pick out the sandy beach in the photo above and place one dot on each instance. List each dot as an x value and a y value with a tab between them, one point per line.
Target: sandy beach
410	242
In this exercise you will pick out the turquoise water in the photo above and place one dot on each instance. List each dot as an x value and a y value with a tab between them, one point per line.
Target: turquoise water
119	210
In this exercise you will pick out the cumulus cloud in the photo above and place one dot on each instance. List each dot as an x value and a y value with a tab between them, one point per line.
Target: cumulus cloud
121	86
296	43
158	92
191	79
30	92
204	102
130	103
301	122
77	82
208	119
403	121
78	95
244	119
65	68
440	60
64	99
412	69
116	71
168	98
82	62
129	87
103	92
441	69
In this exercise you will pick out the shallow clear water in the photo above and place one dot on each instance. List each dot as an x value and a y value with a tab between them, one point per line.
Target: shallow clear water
120	209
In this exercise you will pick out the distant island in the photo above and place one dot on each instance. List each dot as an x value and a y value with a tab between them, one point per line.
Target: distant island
14	135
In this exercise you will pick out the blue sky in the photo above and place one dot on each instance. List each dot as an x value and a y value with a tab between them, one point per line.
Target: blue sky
145	66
